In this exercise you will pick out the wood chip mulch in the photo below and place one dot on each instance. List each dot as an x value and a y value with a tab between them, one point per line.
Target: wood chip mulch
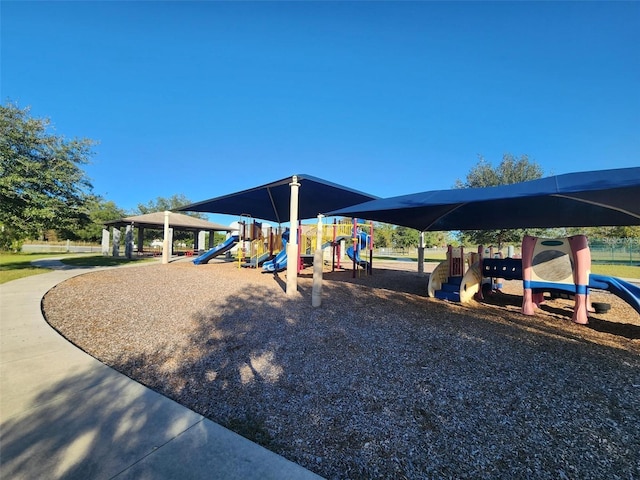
380	381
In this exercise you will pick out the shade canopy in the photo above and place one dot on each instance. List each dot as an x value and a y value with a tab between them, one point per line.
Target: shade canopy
272	201
583	199
177	221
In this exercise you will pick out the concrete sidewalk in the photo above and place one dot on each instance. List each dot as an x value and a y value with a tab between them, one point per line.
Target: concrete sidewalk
64	414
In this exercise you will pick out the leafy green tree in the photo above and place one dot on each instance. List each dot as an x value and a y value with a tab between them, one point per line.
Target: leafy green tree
160	204
99	211
404	237
42	183
387	235
626	232
383	235
435	239
632	232
511	170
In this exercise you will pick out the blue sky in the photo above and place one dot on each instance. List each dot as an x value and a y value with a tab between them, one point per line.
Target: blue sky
208	98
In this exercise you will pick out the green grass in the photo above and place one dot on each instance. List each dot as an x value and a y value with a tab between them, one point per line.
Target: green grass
409	258
620	271
18	265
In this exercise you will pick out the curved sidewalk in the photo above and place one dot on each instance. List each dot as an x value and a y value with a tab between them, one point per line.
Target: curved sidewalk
63	414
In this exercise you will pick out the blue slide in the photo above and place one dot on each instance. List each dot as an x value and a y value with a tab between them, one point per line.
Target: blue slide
279	263
626	291
362	244
217	250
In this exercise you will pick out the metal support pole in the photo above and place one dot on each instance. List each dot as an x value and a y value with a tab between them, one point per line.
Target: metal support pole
165	242
355	246
316	290
421	254
292	246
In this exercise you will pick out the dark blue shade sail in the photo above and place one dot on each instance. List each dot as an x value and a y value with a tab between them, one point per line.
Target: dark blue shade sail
272	201
583	199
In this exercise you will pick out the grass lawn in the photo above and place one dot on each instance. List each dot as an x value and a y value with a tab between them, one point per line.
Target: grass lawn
18	265
620	271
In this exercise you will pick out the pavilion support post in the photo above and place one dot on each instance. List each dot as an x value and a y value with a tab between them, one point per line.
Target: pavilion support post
116	242
202	236
140	239
421	254
105	242
318	264
211	238
128	242
292	245
166	254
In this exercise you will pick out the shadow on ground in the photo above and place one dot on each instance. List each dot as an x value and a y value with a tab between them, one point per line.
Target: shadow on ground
380	383
92	425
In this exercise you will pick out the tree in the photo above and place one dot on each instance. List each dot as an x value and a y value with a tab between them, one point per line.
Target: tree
42	184
387	235
404	237
628	231
174	202
435	239
383	234
99	211
511	170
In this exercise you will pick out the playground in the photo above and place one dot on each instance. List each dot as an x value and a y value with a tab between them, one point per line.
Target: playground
556	267
254	245
381	372
583	198
386	381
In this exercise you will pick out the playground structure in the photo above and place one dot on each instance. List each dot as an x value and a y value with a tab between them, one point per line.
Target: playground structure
252	245
361	244
585	199
279	262
259	245
255	247
547	265
219	249
448	281
332	236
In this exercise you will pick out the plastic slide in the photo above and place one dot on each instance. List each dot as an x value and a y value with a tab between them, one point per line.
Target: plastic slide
256	262
626	291
279	263
362	243
217	250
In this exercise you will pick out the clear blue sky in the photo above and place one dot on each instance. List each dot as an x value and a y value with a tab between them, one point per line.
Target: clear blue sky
208	98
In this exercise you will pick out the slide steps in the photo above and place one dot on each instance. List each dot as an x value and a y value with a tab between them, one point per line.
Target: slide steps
450	290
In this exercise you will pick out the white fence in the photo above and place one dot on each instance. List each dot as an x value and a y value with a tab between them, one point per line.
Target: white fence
61	247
